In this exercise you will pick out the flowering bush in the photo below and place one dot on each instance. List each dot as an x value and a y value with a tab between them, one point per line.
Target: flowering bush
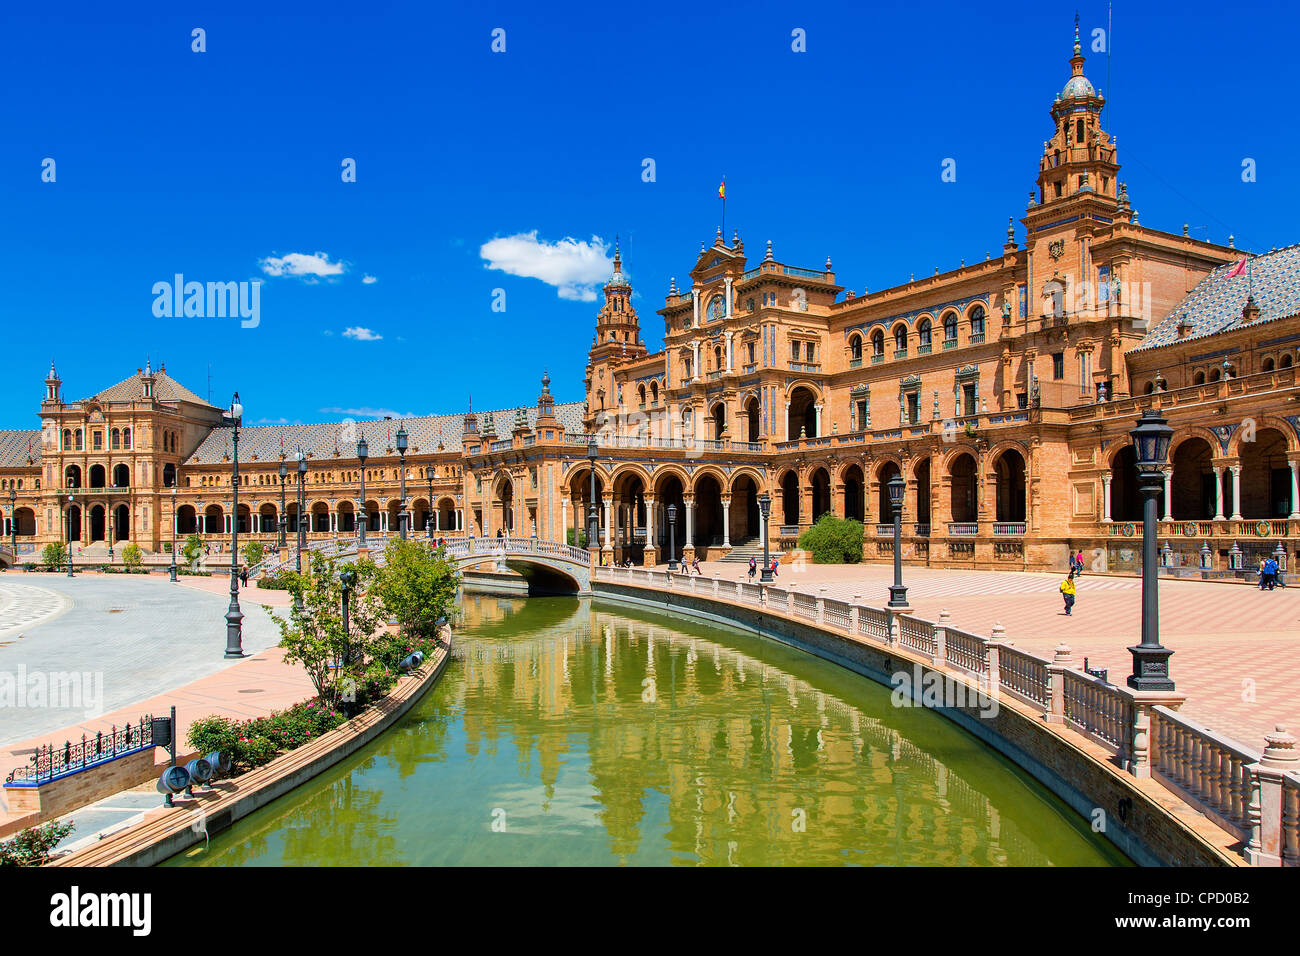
32	846
252	743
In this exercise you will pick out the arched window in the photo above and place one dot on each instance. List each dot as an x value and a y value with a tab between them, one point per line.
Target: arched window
67	439
977	320
1198	378
878	342
900	338
1150	387
717	357
1268	365
654	393
640	391
77	438
923	333
855	348
1286	361
115	439
1078	132
1215	374
950	327
126	438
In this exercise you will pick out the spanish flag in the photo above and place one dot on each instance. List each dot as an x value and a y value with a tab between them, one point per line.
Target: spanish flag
722	189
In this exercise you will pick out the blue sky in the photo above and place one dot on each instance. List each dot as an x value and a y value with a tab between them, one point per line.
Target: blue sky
225	166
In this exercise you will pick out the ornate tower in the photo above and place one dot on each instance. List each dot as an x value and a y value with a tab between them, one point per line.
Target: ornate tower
1079	160
52	383
618	330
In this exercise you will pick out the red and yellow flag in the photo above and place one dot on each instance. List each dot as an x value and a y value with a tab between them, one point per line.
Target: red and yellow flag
722	189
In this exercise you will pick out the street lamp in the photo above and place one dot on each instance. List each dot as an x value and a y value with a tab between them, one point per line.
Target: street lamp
765	509
1150	660
897	593
593	522
13	526
302	534
70	500
348	578
363	452
284	473
234	617
428	474
172	570
672	538
401	456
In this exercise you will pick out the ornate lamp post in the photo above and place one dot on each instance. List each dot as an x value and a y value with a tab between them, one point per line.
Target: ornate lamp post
401	456
1151	438
363	452
765	509
70	500
234	617
284	473
302	533
428	474
593	522
348	578
13	526
172	569
897	593
672	538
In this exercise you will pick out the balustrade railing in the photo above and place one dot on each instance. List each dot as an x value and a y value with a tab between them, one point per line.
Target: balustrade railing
1211	768
1099	709
957	529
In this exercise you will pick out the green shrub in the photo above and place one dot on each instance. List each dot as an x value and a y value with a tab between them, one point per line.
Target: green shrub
581	536
254	552
132	556
279	581
193	548
251	743
32	846
833	540
54	554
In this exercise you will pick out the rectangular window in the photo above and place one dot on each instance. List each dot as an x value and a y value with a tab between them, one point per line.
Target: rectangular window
862	414
1058	365
751	353
794	351
811	348
1103	284
913	408
968	399
1022	293
1022	400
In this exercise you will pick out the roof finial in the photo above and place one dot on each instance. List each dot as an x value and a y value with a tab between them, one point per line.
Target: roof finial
672	286
1076	32
616	255
768	257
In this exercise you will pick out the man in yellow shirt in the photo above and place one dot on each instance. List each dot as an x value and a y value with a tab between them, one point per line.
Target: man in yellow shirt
1067	591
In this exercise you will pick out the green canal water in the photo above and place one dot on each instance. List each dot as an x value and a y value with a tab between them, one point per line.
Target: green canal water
568	732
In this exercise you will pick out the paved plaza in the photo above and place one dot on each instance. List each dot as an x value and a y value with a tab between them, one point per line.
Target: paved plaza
129	637
1236	648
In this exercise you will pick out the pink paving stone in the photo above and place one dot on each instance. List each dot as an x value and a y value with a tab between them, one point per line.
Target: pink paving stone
1231	642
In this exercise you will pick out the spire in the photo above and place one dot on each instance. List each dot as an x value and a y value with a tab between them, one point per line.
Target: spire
618	261
1076	32
768	257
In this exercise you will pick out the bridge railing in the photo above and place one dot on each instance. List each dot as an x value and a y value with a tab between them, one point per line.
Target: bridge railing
1253	796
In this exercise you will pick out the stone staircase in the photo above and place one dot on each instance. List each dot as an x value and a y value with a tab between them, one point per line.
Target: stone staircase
742	551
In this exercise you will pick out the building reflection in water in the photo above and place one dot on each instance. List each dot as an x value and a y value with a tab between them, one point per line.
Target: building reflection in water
595	736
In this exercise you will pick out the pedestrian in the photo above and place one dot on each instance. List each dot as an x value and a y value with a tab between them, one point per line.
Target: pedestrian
1270	573
243	577
1263	575
1078	563
695	565
775	563
753	568
1067	591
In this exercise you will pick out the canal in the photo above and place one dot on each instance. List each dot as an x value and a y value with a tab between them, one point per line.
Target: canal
569	732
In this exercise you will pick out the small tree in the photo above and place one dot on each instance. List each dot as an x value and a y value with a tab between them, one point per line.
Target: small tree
833	540
54	554
314	636
254	552
193	548
132	556
417	586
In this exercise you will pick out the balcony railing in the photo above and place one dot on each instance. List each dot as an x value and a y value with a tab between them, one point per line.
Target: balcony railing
921	529
1009	528
962	529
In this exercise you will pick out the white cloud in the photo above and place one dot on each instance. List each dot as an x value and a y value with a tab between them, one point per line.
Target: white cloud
368	280
574	268
361	334
301	265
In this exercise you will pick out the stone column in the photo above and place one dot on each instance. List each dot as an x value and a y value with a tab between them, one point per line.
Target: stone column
1105	498
1236	492
787	421
1218	492
729	360
1295	489
726	521
564	518
689	505
650	550
818	407
728	303
1169	495
695	305
609	508
1267	810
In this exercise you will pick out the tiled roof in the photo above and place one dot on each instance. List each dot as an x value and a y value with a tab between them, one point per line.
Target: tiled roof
165	389
320	441
1215	304
16	444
